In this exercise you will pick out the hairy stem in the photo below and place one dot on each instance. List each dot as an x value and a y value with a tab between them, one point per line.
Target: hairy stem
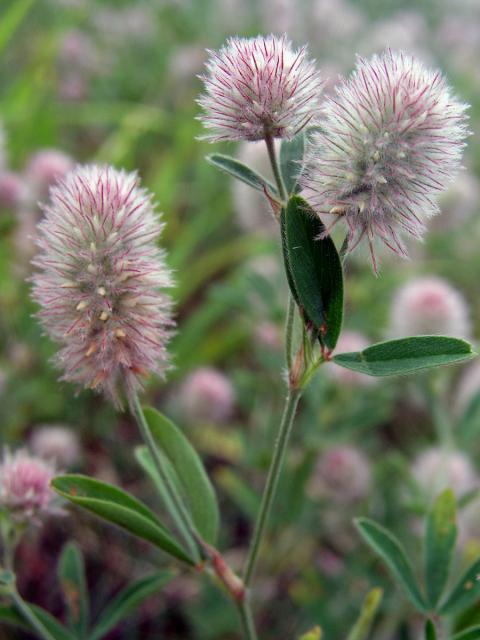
246	617
274	472
270	142
179	512
289	331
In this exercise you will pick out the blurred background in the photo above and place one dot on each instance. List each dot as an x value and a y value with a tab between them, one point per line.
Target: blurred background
116	81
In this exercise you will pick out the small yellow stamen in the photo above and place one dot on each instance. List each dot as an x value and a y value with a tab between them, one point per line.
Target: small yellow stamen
82	305
120	333
104	316
91	349
101	291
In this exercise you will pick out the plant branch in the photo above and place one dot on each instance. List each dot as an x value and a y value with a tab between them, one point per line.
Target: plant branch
270	142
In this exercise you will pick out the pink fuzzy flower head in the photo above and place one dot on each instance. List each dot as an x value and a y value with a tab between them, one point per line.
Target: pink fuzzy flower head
12	190
259	86
436	469
429	306
342	473
57	443
99	280
207	396
25	485
390	140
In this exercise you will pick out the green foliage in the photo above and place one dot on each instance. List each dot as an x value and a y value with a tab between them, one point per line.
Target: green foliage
386	545
240	171
362	627
473	633
119	508
430	633
465	593
127	601
406	355
440	537
189	473
71	573
291	156
313	269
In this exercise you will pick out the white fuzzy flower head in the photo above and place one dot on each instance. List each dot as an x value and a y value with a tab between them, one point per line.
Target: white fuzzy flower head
342	473
389	141
259	86
429	306
56	443
436	469
100	279
207	395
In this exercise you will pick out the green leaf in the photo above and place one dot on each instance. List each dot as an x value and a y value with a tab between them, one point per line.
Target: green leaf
363	625
12	19
313	268
465	593
469	425
473	633
196	488
291	156
119	508
71	573
9	615
386	545
430	633
440	537
52	625
128	600
406	355
241	172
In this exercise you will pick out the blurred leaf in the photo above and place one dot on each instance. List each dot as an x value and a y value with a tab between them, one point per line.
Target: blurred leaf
440	537
128	600
313	634
430	633
11	19
370	606
473	633
465	593
313	268
10	615
197	489
406	355
71	572
469	425
120	508
238	491
241	172
7	578
386	545
291	156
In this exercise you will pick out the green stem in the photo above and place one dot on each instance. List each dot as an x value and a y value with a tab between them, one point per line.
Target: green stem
270	142
179	511
289	331
246	617
30	616
272	480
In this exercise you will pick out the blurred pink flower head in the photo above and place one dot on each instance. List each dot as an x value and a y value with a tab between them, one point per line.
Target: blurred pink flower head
25	485
350	341
56	443
207	395
12	190
429	306
390	140
342	473
258	86
45	168
99	280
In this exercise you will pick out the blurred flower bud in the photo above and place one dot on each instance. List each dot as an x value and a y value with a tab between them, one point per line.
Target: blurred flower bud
349	341
429	306
436	469
267	335
56	443
342	474
44	169
207	395
12	190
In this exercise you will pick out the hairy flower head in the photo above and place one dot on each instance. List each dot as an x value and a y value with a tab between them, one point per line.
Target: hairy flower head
99	280
258	86
25	485
389	141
